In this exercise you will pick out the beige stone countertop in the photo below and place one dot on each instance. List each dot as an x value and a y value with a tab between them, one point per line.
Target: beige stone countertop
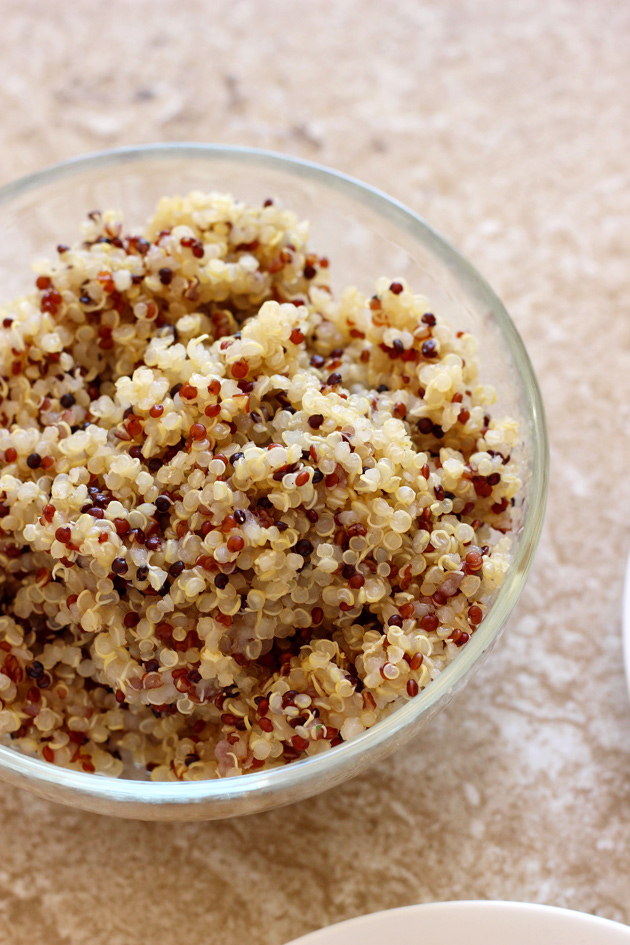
505	123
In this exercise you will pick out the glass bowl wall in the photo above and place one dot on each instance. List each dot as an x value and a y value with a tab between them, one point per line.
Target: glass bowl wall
365	234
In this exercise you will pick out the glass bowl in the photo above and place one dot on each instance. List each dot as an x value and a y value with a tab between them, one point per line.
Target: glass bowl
366	234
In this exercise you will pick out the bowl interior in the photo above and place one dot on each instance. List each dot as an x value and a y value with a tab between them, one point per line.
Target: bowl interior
365	235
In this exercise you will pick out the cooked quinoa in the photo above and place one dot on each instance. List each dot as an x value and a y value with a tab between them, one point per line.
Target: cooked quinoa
241	519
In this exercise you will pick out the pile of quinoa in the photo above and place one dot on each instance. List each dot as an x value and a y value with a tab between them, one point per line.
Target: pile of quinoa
241	520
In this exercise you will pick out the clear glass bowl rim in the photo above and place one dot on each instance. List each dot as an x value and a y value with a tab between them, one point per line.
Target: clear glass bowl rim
294	779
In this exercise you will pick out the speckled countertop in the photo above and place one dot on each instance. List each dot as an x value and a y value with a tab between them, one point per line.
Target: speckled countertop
505	123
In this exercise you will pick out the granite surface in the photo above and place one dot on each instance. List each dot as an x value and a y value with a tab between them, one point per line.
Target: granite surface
505	123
